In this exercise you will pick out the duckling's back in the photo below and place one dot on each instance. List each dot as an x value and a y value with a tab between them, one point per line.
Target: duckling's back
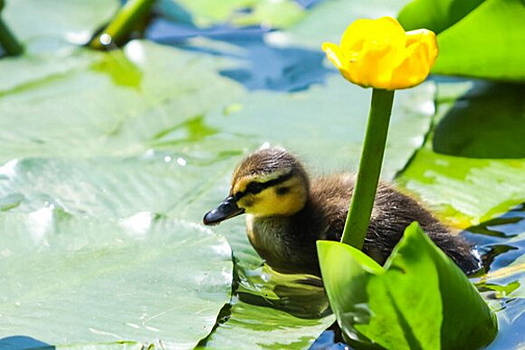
393	212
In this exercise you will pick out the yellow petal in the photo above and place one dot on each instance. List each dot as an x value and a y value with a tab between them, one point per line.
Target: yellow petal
380	40
410	73
334	54
421	54
380	54
427	44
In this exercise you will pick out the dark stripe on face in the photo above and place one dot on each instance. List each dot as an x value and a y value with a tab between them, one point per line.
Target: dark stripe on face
255	187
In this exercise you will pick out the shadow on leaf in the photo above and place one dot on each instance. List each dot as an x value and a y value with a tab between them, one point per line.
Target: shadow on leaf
487	122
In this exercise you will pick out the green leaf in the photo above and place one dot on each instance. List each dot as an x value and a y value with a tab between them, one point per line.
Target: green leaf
419	293
492	32
331	117
76	231
468	322
488	121
435	15
139	278
152	88
464	190
23	342
346	273
262	327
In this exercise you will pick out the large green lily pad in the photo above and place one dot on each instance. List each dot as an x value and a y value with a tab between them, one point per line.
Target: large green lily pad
260	327
103	108
331	118
487	121
466	190
140	278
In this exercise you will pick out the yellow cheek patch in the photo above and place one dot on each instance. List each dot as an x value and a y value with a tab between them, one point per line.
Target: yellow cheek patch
246	202
277	205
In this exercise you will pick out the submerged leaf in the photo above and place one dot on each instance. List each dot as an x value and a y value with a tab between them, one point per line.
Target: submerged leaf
418	294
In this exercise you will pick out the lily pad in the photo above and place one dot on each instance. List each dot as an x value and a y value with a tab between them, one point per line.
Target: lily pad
152	88
488	121
464	191
50	24
259	327
167	278
333	116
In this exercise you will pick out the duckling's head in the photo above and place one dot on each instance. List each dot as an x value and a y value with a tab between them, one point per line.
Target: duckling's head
269	182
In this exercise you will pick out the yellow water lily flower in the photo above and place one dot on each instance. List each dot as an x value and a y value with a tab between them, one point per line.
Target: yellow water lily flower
380	54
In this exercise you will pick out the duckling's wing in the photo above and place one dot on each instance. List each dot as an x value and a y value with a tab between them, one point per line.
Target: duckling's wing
330	197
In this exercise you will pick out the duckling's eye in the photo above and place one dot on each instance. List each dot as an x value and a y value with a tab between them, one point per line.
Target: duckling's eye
254	187
282	190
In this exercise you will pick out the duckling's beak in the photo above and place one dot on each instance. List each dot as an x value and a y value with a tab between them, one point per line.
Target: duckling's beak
227	209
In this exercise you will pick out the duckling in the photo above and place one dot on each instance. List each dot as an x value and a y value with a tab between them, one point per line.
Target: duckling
287	213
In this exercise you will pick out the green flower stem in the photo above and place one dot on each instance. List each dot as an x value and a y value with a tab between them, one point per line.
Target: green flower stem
123	23
369	171
10	45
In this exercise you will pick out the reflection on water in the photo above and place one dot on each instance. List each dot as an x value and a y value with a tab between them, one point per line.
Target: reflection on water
302	296
502	241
